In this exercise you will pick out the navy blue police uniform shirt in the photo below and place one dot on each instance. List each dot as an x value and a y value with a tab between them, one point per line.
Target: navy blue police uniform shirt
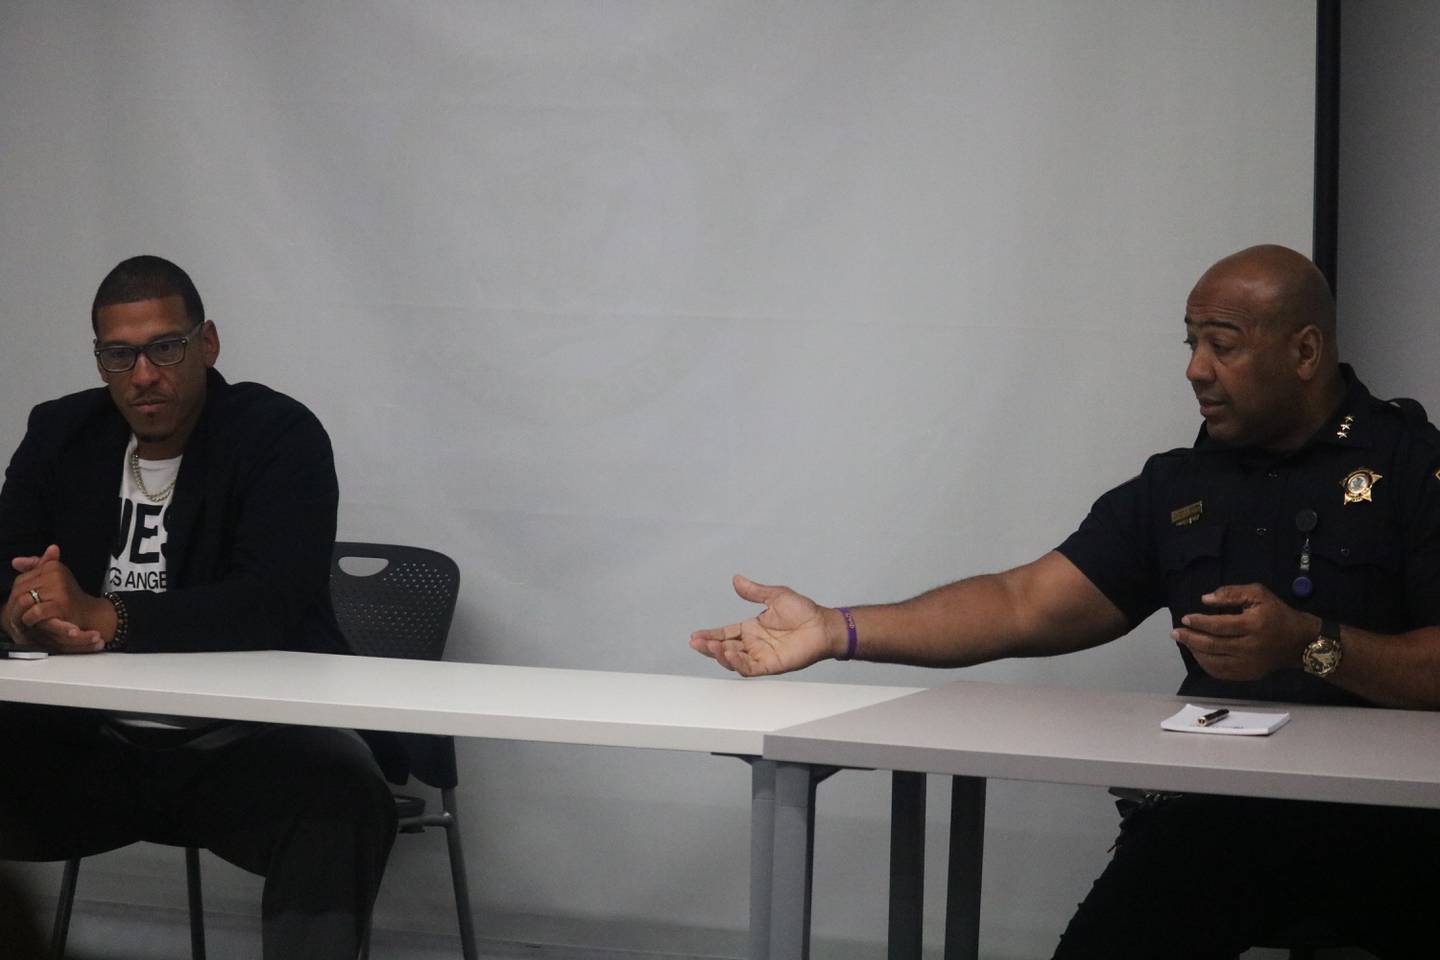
1212	515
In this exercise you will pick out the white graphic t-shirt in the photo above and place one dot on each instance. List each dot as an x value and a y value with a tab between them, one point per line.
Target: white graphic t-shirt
137	557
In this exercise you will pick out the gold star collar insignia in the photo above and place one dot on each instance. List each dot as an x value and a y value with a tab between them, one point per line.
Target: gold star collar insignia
1358	484
1344	432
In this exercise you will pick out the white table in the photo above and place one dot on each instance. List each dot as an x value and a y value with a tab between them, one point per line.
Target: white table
598	708
974	731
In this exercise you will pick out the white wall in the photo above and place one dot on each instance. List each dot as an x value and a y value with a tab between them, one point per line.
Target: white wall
611	300
1389	241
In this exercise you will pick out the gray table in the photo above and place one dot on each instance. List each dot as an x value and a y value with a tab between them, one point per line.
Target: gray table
718	715
975	731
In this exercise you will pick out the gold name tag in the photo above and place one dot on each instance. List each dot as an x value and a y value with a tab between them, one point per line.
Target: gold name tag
1187	515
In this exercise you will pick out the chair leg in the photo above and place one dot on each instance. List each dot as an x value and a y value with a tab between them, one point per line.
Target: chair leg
458	877
61	930
197	907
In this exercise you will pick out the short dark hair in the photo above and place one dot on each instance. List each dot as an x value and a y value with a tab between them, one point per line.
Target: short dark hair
146	277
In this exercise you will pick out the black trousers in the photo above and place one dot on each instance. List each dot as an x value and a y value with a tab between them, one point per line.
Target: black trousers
304	807
1209	877
19	922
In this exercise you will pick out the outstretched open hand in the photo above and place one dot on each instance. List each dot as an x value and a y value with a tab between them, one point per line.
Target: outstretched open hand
789	634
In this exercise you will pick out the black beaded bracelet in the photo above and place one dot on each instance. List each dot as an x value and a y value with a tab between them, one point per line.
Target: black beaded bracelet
122	623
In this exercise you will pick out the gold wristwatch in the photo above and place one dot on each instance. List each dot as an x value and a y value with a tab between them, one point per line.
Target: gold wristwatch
1322	656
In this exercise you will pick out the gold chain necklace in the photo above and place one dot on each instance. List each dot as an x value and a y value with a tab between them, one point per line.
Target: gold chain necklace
160	495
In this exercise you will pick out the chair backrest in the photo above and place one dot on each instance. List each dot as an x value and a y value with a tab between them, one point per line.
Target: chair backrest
403	609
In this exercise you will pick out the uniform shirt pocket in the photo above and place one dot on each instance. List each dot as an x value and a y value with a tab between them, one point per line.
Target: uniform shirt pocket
1192	561
1358	580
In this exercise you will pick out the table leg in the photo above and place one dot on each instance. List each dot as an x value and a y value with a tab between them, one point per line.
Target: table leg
793	859
762	853
907	864
967	848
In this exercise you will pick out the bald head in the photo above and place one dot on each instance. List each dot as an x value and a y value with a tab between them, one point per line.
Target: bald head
1263	362
1274	285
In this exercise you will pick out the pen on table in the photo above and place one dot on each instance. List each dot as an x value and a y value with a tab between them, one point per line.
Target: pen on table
1214	716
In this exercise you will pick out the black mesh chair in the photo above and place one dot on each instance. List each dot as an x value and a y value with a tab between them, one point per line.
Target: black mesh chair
403	609
66	902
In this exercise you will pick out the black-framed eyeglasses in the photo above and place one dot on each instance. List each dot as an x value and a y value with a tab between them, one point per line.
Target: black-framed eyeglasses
165	352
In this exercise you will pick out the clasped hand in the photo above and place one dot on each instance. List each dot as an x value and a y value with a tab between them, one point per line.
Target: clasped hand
790	633
54	623
1265	635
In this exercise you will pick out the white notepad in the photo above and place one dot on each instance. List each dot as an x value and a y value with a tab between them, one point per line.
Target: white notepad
1242	723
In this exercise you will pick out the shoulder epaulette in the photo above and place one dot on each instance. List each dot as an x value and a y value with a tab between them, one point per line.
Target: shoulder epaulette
1411	410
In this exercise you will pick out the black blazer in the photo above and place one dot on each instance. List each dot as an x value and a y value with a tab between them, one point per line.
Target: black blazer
250	528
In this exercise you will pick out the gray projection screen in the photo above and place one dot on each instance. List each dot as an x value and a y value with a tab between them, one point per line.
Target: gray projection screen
612	300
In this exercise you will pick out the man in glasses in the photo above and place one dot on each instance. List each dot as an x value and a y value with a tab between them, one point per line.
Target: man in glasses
175	511
1297	547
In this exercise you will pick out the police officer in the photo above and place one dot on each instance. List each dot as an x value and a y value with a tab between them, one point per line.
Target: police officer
1297	547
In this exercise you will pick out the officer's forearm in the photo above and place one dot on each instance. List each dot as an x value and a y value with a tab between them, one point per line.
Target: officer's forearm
1042	608
1391	670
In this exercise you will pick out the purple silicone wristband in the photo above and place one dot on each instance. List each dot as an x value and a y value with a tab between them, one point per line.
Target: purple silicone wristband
852	636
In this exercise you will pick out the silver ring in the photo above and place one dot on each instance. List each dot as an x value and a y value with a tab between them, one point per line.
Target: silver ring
35	595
